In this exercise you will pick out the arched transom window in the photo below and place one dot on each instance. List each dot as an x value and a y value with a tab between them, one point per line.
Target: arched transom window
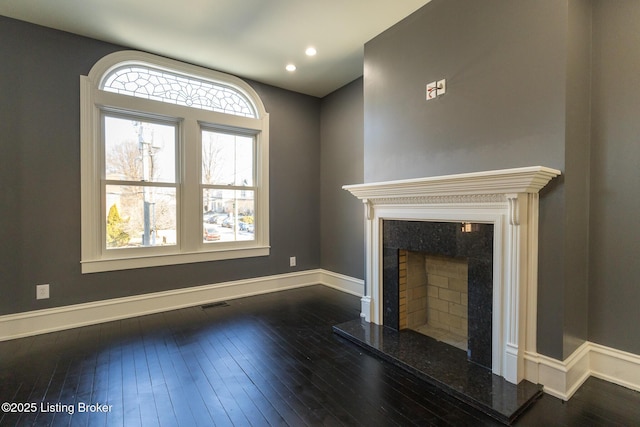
174	165
167	86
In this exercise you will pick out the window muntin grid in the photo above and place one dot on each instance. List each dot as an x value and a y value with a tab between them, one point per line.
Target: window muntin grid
150	83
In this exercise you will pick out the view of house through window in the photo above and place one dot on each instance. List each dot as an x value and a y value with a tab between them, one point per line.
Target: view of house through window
227	186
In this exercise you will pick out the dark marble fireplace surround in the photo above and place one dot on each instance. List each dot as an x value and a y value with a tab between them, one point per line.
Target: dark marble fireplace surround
445	239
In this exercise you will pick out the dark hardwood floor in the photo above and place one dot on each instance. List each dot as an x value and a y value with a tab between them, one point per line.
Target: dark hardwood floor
265	360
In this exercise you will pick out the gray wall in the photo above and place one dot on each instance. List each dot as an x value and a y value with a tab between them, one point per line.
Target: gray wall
40	211
615	170
576	175
504	62
516	82
341	162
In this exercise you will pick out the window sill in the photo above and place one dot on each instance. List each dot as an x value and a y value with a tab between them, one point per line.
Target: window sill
102	265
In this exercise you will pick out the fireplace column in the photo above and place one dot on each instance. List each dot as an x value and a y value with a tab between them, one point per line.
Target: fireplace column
368	311
520	291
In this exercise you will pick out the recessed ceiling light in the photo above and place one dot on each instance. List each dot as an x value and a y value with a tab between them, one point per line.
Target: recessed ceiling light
311	51
290	67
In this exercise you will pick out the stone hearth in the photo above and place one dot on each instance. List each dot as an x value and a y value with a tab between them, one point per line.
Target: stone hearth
444	366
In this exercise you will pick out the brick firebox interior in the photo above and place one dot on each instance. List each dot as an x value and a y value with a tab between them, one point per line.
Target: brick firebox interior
433	296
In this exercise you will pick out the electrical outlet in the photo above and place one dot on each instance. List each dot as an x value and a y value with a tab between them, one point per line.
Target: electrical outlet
292	261
432	90
42	291
436	89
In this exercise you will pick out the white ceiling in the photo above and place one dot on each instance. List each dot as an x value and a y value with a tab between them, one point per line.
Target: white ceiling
254	39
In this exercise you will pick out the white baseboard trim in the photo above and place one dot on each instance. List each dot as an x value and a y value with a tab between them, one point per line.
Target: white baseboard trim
616	366
563	378
55	319
343	283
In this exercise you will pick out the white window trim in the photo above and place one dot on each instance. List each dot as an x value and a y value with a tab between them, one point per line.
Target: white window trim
92	102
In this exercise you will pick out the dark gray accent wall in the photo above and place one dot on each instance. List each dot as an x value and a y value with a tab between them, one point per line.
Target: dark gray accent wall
294	179
40	211
576	175
615	171
504	63
10	207
341	162
517	77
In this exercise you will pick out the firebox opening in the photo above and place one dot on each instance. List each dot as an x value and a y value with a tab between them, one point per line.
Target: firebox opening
433	296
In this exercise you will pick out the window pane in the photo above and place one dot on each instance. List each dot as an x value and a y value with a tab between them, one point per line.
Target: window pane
139	150
139	216
227	159
228	215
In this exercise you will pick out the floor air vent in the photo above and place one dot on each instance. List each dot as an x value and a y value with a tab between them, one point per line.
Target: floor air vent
214	305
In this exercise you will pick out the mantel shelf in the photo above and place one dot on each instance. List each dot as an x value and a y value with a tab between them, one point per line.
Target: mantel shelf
504	181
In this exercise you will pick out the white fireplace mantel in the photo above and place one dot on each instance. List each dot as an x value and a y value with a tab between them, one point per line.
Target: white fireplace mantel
506	198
